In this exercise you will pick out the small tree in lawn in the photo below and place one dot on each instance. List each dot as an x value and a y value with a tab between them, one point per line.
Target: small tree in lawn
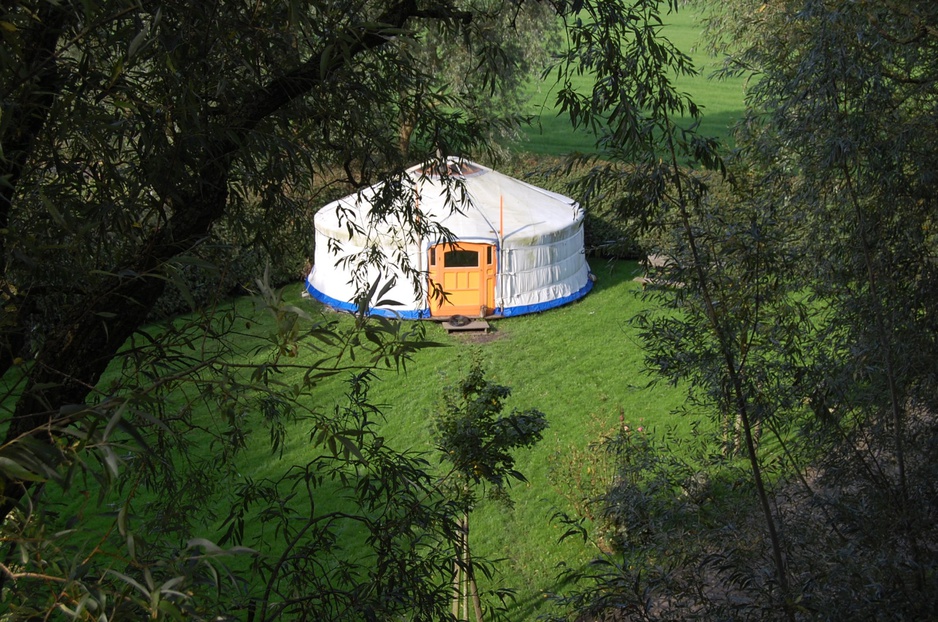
473	435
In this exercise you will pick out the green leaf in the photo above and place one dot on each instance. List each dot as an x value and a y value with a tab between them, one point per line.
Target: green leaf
111	460
350	447
137	43
15	470
122	520
207	545
169	608
129	581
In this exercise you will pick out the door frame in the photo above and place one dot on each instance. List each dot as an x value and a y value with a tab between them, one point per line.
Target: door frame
486	270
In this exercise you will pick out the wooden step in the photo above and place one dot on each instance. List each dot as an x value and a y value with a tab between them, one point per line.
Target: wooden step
475	325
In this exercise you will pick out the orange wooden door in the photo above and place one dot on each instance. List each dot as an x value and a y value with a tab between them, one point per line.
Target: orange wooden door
466	274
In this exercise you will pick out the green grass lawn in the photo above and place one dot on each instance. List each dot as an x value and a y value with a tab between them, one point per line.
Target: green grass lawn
580	364
721	100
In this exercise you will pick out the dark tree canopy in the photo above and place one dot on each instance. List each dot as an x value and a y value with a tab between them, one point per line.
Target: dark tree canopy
130	131
799	279
138	141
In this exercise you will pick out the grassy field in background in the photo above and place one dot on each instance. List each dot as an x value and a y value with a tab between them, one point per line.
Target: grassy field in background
721	100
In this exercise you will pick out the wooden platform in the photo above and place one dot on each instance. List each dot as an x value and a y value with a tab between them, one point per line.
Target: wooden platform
658	262
473	326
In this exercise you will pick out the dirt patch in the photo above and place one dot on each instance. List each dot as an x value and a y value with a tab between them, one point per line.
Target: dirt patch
478	336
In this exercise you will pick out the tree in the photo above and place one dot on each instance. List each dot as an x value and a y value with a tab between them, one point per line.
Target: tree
516	39
474	436
131	134
845	135
807	283
647	157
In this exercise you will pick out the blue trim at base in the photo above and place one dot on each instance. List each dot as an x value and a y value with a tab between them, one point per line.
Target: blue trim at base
550	304
425	313
351	308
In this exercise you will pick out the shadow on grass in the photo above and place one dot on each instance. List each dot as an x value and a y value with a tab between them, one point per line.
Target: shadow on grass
532	607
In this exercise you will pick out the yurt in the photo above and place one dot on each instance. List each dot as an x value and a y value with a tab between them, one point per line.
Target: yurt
497	246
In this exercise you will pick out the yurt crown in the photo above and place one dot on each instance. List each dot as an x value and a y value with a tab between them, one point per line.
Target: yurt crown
453	167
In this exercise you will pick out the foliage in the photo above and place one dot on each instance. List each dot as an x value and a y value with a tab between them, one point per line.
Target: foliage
474	436
677	535
515	39
145	143
756	312
151	440
400	515
847	140
800	302
667	546
582	475
477	439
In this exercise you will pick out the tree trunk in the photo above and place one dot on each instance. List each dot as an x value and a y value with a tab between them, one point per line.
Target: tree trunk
465	587
471	575
737	391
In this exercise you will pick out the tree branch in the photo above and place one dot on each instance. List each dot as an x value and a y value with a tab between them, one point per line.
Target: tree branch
78	351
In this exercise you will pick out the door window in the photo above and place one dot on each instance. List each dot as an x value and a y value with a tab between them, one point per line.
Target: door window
461	259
